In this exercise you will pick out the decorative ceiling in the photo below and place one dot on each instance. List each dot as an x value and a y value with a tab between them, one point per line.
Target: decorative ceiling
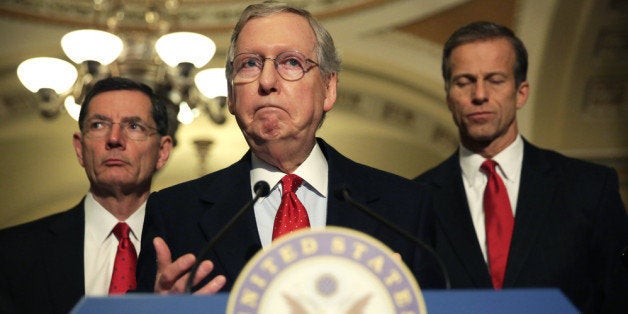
390	112
190	15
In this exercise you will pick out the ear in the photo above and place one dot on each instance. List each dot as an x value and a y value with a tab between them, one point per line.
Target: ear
230	98
450	103
330	92
78	147
165	146
522	94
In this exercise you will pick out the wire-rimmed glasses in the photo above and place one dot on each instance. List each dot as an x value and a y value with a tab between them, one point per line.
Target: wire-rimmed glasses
134	130
291	66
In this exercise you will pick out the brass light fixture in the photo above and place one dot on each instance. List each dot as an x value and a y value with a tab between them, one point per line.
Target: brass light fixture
170	62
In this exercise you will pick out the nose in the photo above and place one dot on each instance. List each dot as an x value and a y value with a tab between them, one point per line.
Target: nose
268	77
480	95
114	138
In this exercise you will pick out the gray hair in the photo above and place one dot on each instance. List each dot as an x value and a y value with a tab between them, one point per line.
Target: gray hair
326	54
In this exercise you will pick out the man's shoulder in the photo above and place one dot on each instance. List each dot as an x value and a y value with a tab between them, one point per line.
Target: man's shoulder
349	168
445	168
353	175
201	184
534	155
36	229
190	186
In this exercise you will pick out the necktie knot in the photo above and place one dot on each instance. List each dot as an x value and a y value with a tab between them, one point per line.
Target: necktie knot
488	166
494	180
291	215
121	231
290	183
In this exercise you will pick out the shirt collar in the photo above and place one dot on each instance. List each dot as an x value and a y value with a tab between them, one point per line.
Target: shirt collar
509	160
310	171
99	222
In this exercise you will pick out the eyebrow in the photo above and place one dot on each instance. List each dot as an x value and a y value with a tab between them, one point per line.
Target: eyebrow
124	119
99	117
464	75
469	75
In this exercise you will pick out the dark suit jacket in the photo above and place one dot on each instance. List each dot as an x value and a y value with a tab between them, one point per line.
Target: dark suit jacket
41	264
570	227
188	215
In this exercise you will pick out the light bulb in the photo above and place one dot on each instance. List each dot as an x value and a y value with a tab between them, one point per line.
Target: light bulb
43	72
92	45
211	82
185	47
73	109
185	115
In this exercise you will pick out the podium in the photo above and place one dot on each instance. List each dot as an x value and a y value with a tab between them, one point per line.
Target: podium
509	301
338	270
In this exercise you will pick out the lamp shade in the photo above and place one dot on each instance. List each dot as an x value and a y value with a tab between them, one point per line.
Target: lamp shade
91	45
182	47
212	82
185	115
38	73
72	108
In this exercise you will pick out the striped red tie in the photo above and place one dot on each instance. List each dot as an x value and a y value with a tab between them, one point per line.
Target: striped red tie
123	278
291	215
499	223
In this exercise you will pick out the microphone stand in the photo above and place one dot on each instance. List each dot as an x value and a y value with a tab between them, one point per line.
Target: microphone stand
262	189
343	194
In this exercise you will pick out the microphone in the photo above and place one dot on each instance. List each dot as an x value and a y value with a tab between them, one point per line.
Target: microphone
261	189
344	195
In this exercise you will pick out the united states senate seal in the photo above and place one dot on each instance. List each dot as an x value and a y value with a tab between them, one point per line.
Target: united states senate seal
329	270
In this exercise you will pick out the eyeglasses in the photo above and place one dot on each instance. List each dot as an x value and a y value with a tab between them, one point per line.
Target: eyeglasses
133	130
291	66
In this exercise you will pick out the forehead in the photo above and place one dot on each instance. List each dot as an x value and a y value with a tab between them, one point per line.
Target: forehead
276	33
120	104
486	55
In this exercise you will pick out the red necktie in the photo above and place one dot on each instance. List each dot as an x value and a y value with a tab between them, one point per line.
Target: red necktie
123	277
291	215
499	223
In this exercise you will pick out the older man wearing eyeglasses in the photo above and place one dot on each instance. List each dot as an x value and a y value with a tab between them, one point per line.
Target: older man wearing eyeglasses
48	264
282	69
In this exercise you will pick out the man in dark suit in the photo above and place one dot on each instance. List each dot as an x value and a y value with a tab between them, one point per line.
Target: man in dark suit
48	264
282	72
569	225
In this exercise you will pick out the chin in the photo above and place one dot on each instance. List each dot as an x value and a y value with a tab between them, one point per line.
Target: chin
117	179
481	137
267	134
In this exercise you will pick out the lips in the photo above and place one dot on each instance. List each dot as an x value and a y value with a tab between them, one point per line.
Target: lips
481	115
114	162
268	109
267	106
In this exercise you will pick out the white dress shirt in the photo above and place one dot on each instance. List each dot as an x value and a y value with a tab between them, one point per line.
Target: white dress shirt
510	162
101	245
312	193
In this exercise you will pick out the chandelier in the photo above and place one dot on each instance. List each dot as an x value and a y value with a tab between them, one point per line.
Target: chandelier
170	62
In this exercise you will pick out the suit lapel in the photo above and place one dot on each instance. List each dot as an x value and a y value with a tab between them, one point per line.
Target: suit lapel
64	251
452	210
225	197
343	214
536	189
342	174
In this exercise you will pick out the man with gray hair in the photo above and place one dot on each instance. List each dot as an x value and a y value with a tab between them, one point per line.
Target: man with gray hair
47	265
282	71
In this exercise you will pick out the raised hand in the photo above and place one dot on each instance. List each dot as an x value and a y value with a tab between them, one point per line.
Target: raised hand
172	276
